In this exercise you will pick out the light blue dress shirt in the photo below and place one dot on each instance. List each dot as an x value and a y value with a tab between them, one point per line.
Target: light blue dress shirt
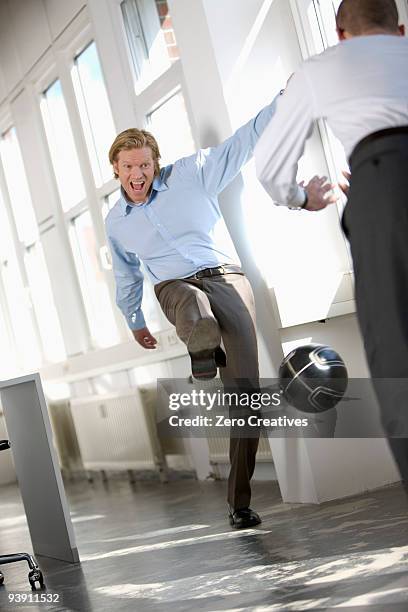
173	232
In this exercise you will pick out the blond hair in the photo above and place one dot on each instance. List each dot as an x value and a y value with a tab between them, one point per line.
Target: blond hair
135	139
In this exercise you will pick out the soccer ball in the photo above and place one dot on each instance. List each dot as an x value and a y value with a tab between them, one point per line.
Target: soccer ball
313	378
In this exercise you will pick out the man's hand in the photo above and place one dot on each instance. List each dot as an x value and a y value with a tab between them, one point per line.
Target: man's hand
345	186
317	193
144	338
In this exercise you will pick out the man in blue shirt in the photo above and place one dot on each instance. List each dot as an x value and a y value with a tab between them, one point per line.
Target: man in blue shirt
167	218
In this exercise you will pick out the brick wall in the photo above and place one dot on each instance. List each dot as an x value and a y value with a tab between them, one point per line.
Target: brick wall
167	29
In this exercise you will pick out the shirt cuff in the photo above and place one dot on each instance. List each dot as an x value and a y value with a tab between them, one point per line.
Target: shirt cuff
299	198
136	320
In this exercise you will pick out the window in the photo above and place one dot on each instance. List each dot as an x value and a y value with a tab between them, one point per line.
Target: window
95	112
151	310
109	202
170	126
7	353
322	20
94	289
18	187
8	359
322	17
29	289
19	307
43	303
151	40
6	241
62	148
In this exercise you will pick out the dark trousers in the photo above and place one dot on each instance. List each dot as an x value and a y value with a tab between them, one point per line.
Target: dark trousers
227	299
376	223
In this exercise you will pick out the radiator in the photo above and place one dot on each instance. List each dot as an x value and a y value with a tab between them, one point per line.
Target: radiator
219	450
65	437
117	432
218	444
173	448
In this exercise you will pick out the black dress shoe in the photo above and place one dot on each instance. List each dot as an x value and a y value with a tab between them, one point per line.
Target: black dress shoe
203	347
243	518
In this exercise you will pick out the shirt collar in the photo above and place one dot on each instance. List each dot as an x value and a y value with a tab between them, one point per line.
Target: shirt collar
159	184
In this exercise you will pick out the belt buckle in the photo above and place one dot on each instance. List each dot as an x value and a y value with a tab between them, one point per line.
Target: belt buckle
209	272
199	275
217	271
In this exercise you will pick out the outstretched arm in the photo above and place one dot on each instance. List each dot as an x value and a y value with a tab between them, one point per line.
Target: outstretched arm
216	167
282	145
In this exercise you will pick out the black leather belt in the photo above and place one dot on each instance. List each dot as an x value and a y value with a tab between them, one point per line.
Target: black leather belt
218	271
376	137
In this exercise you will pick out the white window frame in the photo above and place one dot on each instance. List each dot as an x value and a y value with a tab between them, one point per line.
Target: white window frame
5	313
308	48
6	123
58	65
153	94
403	12
125	53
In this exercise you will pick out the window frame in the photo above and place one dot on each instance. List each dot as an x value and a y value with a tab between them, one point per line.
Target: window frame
57	66
41	88
152	94
6	124
308	49
119	28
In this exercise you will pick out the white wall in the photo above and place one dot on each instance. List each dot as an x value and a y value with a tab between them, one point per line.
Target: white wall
9	60
27	28
59	14
30	31
342	333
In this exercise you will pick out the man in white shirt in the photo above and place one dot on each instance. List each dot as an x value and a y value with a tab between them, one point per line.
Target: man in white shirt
361	88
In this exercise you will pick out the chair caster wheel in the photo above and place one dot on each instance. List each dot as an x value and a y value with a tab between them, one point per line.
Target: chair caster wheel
1	578
35	576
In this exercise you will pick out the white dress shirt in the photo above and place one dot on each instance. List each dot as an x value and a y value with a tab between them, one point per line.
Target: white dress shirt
359	86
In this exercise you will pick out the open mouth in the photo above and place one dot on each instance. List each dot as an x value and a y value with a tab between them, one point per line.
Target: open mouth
137	185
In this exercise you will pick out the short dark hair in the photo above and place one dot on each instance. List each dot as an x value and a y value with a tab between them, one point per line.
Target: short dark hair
359	16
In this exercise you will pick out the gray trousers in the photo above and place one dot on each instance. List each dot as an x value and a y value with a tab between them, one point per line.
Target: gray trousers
375	221
227	299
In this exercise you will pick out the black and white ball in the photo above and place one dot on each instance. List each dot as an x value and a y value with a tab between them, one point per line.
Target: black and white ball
313	378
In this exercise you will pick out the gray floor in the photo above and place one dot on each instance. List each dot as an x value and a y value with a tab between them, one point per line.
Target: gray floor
168	548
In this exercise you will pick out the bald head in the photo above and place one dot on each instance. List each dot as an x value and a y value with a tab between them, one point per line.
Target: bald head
360	17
